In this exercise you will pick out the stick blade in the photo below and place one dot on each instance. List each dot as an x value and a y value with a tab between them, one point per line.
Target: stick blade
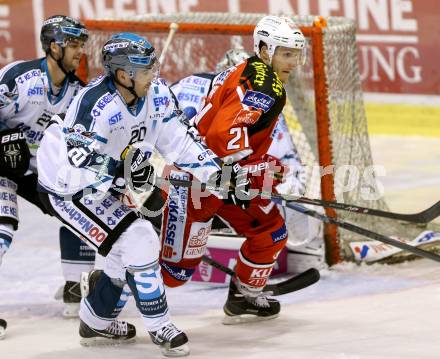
298	282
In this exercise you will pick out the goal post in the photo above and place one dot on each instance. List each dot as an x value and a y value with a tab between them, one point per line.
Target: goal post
325	109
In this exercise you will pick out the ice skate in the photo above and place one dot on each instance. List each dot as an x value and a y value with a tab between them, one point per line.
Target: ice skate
240	308
71	299
118	332
173	342
3	326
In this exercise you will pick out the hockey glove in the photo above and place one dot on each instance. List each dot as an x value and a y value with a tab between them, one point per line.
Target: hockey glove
14	153
238	192
265	173
141	176
250	177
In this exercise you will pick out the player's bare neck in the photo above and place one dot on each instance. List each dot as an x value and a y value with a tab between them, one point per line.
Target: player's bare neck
128	97
57	75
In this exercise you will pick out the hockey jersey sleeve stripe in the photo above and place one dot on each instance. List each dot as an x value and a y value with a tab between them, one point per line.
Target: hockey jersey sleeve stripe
96	137
85	105
11	76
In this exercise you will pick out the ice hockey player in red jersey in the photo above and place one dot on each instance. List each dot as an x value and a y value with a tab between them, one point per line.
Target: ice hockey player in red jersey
236	123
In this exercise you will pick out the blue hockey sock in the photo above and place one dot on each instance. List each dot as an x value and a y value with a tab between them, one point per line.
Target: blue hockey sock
76	255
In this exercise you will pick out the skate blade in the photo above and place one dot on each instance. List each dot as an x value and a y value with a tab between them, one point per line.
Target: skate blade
181	351
245	318
101	341
71	310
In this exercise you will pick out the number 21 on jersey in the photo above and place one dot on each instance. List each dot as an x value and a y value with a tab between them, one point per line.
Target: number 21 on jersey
240	139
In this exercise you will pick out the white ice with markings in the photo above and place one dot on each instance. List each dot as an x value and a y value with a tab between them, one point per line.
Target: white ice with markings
369	312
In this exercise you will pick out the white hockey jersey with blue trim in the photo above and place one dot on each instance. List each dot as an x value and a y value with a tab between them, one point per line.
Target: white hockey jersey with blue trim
155	125
27	102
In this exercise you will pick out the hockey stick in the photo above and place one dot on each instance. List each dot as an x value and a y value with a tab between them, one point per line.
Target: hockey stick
365	232
300	281
424	216
173	29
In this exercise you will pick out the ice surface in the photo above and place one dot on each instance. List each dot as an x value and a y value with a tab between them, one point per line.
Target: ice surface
353	312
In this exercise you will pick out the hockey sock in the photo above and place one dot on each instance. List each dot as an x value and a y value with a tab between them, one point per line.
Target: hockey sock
104	302
149	292
76	255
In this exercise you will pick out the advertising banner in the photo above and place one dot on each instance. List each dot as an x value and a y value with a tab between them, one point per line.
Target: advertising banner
398	39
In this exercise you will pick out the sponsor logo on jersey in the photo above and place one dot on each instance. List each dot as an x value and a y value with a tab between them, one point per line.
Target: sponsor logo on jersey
198	238
93	231
27	76
35	91
161	101
111	221
277	85
115	119
182	274
200	81
176	219
102	102
261	73
205	154
280	234
258	100
247	117
32	136
184	96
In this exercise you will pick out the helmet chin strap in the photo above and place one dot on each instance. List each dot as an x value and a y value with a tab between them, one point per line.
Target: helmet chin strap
59	62
129	88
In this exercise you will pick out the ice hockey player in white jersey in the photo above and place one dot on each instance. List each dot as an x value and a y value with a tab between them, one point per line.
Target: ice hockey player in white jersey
31	92
305	233
126	114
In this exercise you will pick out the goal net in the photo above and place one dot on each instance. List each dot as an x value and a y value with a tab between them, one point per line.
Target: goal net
325	110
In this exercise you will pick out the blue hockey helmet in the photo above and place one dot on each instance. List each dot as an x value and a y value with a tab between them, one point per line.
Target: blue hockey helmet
128	52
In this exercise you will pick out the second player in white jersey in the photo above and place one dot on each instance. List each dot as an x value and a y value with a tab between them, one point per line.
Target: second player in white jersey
123	115
31	92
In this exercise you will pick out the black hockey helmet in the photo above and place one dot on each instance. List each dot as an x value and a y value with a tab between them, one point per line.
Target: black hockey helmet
61	29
